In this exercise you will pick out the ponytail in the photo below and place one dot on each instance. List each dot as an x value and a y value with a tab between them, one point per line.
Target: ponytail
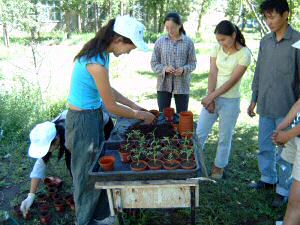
240	37
99	44
227	28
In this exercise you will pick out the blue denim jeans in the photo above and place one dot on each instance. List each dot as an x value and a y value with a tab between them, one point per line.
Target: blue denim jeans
272	167
227	110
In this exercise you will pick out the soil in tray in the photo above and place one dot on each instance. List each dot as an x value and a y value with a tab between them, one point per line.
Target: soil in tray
161	130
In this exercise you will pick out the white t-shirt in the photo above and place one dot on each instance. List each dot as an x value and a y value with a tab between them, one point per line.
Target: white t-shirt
38	170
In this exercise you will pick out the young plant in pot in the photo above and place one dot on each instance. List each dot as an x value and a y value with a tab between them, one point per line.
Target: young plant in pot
170	160
138	164
142	143
188	163
155	163
125	152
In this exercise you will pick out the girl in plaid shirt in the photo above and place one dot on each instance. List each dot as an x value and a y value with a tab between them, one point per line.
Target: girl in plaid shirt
173	60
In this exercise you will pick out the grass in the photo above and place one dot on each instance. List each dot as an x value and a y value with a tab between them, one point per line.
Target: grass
228	202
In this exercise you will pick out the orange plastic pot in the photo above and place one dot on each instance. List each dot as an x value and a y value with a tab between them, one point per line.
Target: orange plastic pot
125	156
186	124
171	165
107	162
169	113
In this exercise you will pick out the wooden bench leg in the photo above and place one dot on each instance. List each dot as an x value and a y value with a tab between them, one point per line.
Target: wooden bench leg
193	206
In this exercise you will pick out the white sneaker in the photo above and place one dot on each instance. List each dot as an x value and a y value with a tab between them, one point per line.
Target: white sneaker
279	222
111	220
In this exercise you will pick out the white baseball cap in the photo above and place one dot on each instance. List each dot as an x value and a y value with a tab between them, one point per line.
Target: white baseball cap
41	137
296	44
131	28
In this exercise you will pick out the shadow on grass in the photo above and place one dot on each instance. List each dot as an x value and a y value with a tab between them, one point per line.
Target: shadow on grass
150	96
198	86
148	74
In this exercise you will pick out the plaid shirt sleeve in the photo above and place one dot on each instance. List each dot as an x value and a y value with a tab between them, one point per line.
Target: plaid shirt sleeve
191	60
156	61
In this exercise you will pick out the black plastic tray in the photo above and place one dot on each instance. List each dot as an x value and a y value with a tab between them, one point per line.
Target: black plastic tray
122	171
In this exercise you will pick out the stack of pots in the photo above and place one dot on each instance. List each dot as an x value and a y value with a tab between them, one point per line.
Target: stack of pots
169	114
186	124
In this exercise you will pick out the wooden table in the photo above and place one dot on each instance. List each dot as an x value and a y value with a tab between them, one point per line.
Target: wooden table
152	194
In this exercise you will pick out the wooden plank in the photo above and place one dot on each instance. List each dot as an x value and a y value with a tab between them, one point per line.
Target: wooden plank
149	183
155	197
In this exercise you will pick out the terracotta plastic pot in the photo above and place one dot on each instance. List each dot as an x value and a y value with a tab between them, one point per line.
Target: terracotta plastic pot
52	192
171	165
169	114
155	164
48	180
125	156
107	162
56	197
186	124
188	164
45	218
58	182
138	166
43	207
42	197
154	112
59	206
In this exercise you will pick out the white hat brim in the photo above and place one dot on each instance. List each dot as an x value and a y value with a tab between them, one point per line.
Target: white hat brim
296	44
141	45
38	151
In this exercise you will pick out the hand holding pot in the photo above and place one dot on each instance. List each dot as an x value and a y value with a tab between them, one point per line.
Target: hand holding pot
26	204
147	117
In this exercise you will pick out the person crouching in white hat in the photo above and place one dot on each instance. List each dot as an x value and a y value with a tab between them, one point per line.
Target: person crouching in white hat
45	138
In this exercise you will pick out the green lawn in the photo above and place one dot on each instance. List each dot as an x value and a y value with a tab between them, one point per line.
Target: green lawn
228	202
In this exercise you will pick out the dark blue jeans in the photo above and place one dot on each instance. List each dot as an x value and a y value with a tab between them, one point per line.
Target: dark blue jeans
164	100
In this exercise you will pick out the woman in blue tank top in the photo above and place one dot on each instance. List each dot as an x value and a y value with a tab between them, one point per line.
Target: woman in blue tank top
90	91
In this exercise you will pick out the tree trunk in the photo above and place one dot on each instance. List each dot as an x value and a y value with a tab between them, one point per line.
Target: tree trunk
200	16
96	17
161	17
79	23
5	35
264	27
68	24
155	20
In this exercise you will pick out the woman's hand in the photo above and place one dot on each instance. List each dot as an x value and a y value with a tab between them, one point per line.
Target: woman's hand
211	107
147	117
170	70
178	71
206	101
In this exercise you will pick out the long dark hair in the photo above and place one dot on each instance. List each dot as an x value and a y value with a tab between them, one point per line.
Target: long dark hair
176	18
227	28
99	44
60	132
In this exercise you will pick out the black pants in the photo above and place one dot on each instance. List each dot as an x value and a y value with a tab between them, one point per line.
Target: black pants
164	100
